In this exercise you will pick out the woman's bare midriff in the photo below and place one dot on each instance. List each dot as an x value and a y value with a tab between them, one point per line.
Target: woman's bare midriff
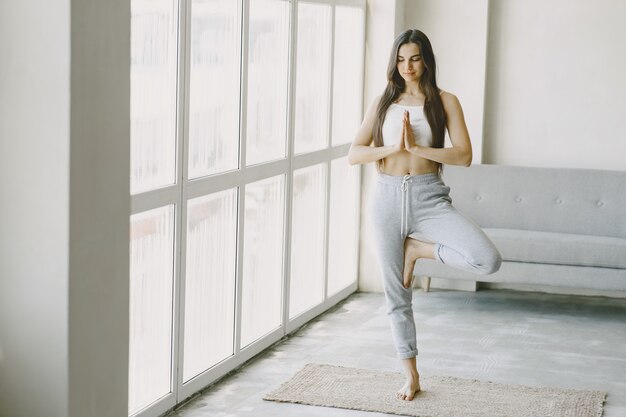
404	163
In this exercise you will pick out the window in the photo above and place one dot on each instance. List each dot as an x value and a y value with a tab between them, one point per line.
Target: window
244	209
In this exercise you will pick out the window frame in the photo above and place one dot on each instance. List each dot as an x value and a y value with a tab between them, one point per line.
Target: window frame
184	190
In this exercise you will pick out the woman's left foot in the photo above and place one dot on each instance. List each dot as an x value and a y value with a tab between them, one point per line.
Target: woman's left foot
411	255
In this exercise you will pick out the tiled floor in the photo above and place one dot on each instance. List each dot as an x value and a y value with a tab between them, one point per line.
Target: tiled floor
499	335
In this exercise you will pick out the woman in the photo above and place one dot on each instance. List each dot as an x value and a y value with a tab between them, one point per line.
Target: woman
407	126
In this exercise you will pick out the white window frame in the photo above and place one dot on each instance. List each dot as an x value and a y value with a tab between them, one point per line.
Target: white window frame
185	189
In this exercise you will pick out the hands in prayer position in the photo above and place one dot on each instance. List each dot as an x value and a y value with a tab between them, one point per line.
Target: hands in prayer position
407	141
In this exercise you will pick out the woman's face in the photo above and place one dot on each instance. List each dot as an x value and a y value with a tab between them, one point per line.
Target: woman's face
409	63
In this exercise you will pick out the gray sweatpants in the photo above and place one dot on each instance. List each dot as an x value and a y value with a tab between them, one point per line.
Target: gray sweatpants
420	204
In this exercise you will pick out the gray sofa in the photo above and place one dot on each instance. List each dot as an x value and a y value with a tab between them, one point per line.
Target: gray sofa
553	226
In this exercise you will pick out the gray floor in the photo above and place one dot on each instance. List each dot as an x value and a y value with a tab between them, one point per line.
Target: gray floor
498	335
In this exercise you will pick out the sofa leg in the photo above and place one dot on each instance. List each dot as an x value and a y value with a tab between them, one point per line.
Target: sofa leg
426	283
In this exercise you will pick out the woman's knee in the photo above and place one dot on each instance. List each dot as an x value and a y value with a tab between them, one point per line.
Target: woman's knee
489	262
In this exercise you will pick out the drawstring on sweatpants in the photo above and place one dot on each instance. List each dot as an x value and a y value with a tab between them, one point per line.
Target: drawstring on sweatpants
404	186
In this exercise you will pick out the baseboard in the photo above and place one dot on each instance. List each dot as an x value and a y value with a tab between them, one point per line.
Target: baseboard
551	289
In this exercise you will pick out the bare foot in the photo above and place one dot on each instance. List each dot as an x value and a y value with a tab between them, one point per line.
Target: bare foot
409	389
411	254
413	250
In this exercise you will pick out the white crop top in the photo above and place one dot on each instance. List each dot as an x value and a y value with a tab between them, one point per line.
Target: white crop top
392	126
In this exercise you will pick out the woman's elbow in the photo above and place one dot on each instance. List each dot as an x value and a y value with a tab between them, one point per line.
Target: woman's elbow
466	158
352	160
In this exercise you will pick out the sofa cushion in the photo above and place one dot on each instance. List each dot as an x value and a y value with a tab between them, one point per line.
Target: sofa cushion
559	248
558	200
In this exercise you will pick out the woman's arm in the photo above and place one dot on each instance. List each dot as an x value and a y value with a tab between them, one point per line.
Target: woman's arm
461	151
360	151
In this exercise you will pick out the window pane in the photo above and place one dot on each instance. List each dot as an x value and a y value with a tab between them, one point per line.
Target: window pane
262	259
347	73
307	240
312	77
210	281
343	239
268	64
151	283
153	94
214	87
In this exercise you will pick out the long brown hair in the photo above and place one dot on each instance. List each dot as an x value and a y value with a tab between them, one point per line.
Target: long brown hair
433	108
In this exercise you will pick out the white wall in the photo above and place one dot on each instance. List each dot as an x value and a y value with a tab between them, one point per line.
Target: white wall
99	208
64	182
458	34
34	209
556	88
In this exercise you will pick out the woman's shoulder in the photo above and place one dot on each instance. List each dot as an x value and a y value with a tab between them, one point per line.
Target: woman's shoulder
374	103
445	95
448	99
370	114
